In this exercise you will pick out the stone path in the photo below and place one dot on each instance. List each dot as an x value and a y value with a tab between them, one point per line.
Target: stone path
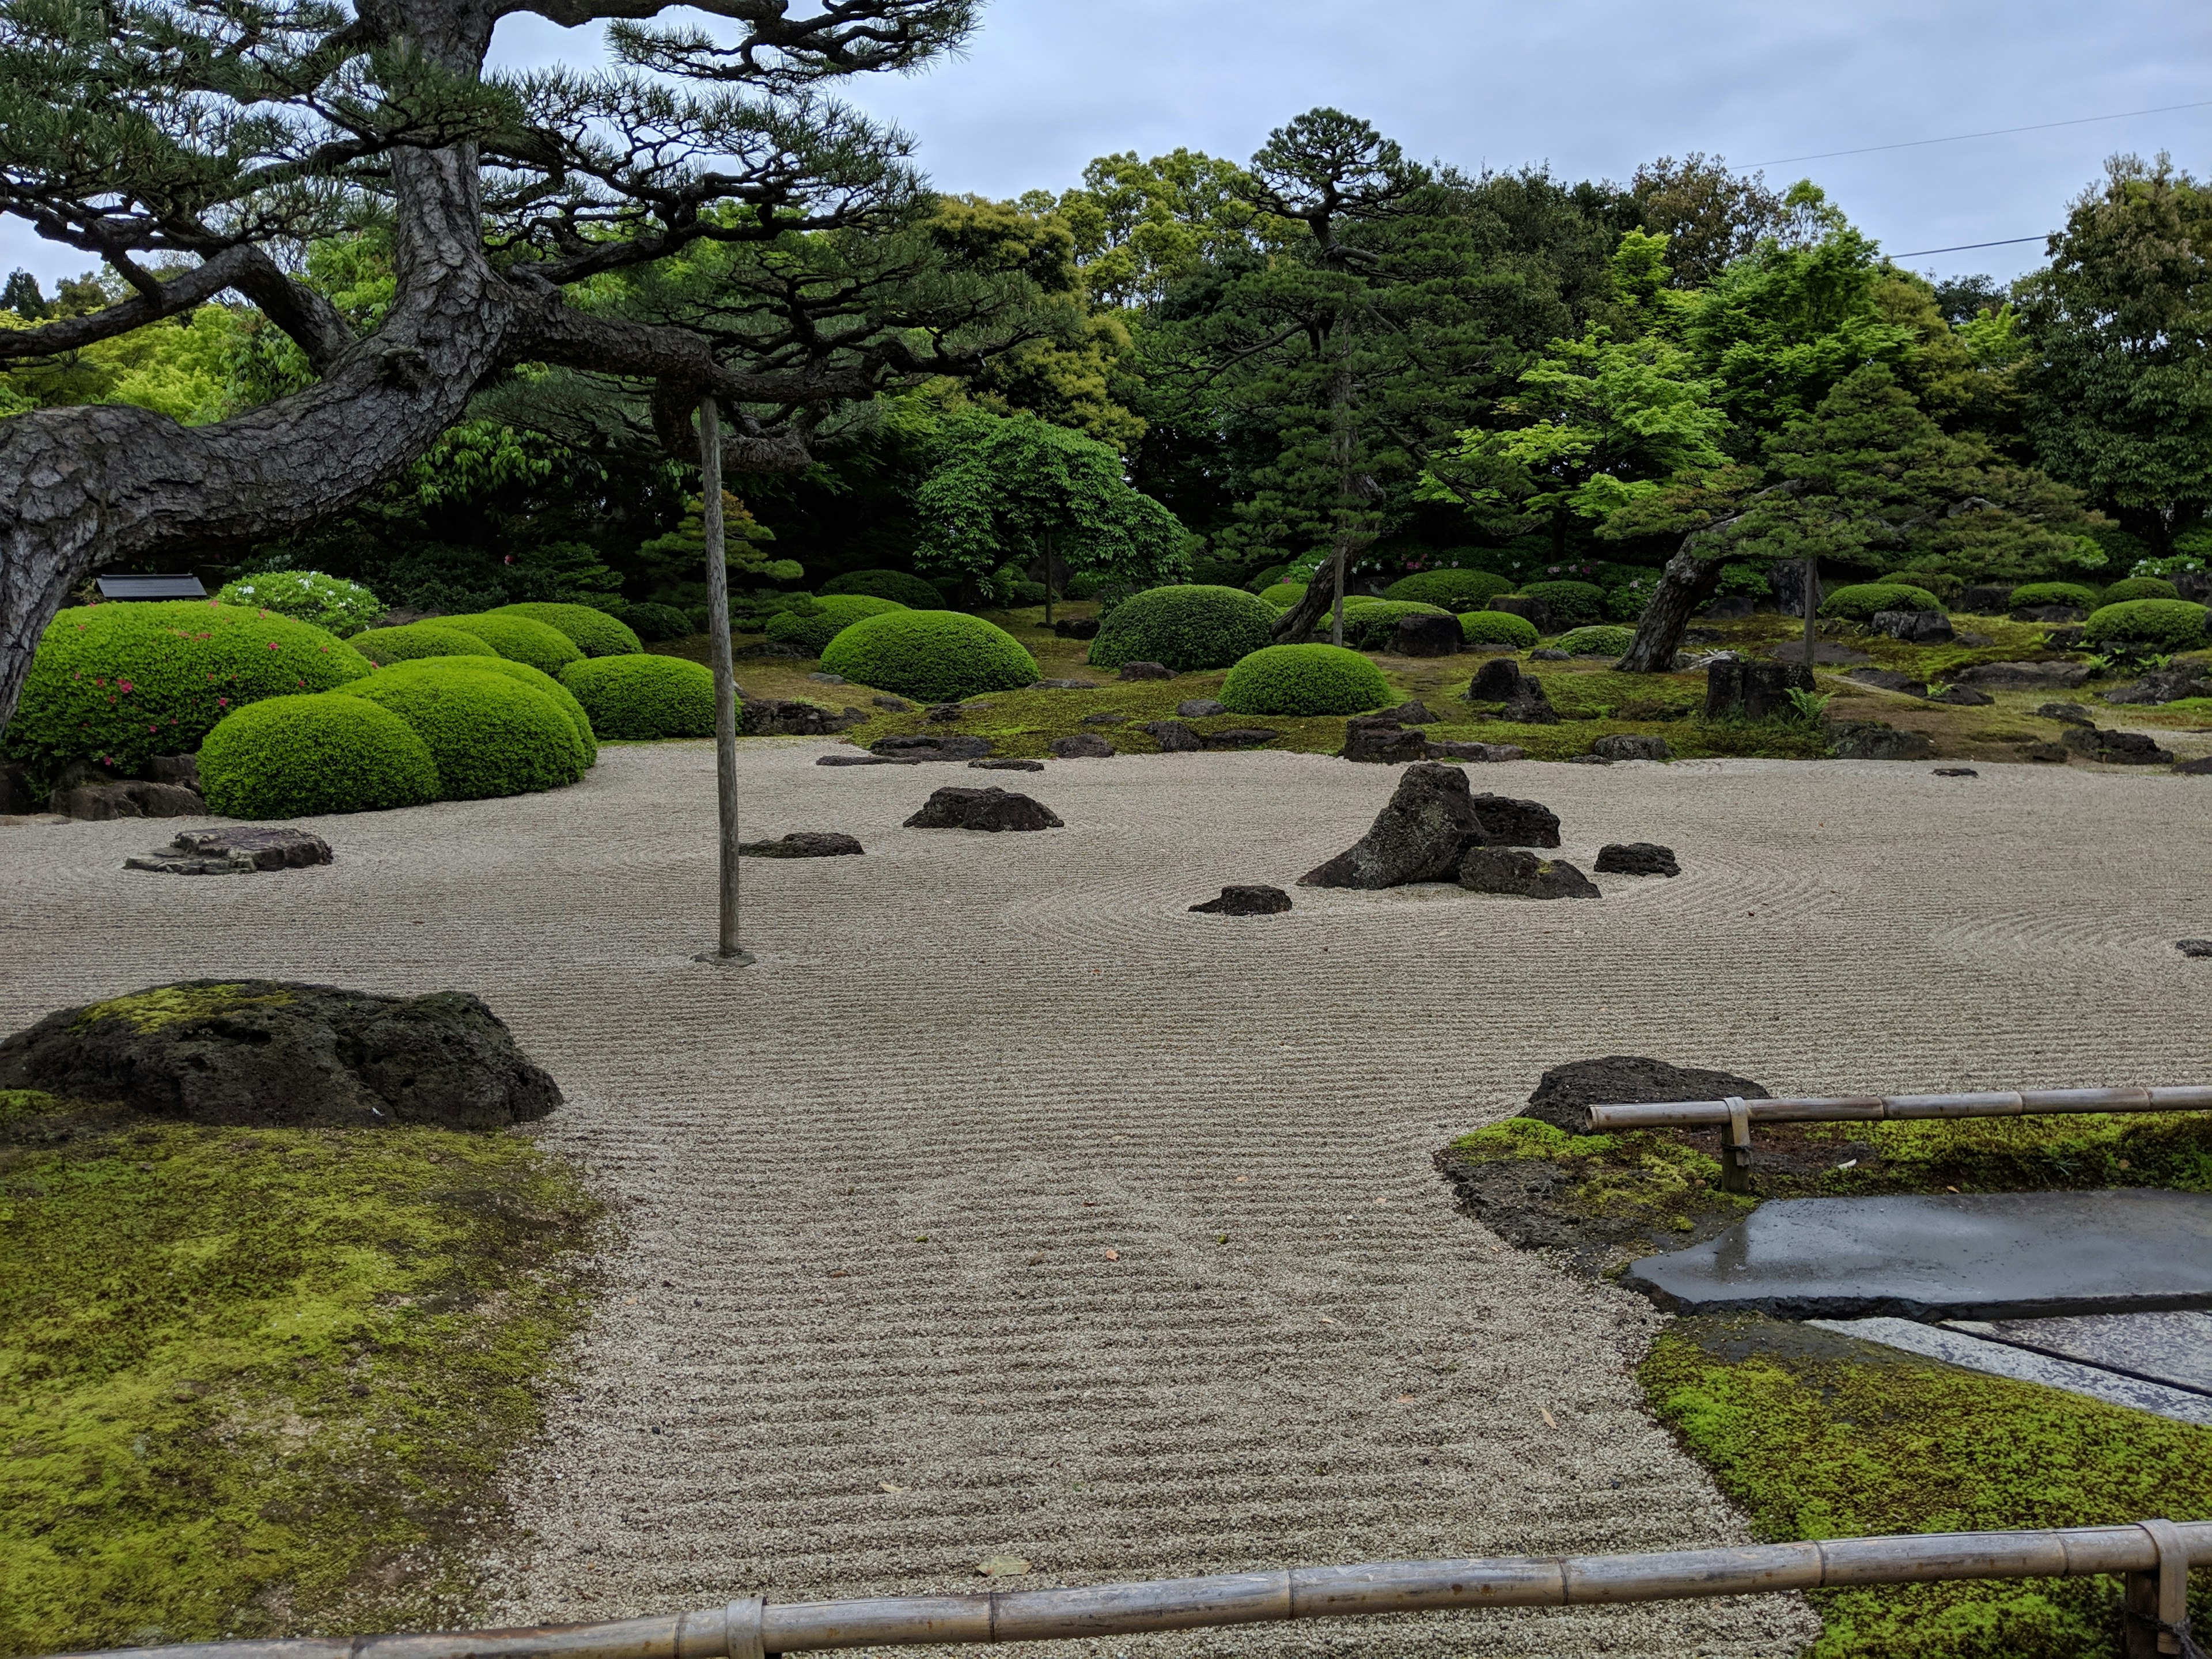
1007	1207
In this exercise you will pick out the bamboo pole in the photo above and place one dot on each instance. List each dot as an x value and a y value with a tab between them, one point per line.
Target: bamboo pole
1814	1108
726	679
743	1629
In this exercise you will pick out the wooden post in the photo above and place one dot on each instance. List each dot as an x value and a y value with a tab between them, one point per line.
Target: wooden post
726	679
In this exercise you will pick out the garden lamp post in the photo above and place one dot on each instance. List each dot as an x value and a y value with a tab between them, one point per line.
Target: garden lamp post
725	680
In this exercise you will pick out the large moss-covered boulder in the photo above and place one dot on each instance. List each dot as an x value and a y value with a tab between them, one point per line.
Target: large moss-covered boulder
267	1053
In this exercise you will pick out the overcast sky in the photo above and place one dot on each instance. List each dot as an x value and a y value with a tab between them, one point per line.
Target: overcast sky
1591	87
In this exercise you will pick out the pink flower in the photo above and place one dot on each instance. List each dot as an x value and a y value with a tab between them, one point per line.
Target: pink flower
273	646
222	702
125	685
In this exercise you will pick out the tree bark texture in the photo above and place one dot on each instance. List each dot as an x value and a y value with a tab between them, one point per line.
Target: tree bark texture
1687	583
726	675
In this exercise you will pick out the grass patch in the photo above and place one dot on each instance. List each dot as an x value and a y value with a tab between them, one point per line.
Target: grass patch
257	1381
1816	1435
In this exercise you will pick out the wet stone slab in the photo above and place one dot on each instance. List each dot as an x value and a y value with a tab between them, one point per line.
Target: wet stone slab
1987	1257
1952	1343
2174	1349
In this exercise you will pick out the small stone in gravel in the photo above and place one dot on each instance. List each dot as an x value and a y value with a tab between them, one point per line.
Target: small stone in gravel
1200	709
1380	739
870	760
1631	745
1004	764
1246	902
1175	738
1637	858
1443	749
1238	736
1420	836
828	679
1146	671
235	852
1590	760
989	809
1956	772
2194	947
1082	745
1564	1094
896	705
2200	768
958	745
803	844
1511	870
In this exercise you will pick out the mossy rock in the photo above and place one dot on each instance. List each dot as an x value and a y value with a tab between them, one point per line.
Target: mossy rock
642	699
287	757
937	656
591	630
825	618
520	639
412	641
1304	679
1189	628
491	735
1497	627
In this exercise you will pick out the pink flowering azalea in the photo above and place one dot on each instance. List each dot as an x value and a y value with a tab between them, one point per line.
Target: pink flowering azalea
125	685
273	646
222	702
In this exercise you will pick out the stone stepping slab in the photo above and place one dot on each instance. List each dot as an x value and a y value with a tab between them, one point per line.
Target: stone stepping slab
1955	1343
2172	1349
1981	1255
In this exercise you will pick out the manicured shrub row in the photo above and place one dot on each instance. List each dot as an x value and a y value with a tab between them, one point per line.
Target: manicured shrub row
1304	679
414	640
2035	595
1451	590
639	699
1187	628
1497	627
897	585
1604	640
520	639
2161	624
286	757
1569	602
656	622
591	631
1860	602
488	734
523	674
331	603
120	683
812	630
940	656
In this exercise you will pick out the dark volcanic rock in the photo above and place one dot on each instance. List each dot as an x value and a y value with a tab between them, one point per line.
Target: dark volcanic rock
1506	821
1005	765
1175	738
1550	653
896	705
1246	902
1538	613
1637	858
1238	736
1421	636
2194	947
1528	705
874	760
1420	836
1564	1094
1755	690
1985	601
1146	671
765	717
1415	713
2048	753
16	795
1077	628
991	810
131	799
953	746
1888	679
183	770
1588	759
1443	749
803	844
943	713
2196	768
1956	772
1514	870
1632	745
1201	708
1731	607
265	1052
2050	613
1870	740
2116	748
236	851
1962	696
1496	681
1081	745
1379	738
2163	685
1914	627
2073	713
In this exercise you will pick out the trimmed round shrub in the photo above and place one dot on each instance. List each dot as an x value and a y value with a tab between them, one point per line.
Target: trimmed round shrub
656	623
285	757
639	699
117	683
488	734
1187	628
1304	679
832	614
939	656
333	603
591	631
1604	640
1283	595
2163	624
1571	602
897	585
2035	595
523	674
1497	627
1369	623
414	640
1450	590
520	639
1266	578
1859	602
1945	586
2141	587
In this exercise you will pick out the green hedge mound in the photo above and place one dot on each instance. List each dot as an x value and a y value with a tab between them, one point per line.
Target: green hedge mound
1370	624
640	699
1604	640
523	674
897	585
2161	624
1283	595
119	682
519	639
488	734
830	615
937	656
2035	595
1573	603
2141	587
1860	602
331	603
414	641
1304	679
289	757
658	621
1497	627
1946	587
1189	628
591	631
1450	590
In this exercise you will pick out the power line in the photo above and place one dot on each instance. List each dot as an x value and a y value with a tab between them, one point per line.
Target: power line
1961	248
1994	132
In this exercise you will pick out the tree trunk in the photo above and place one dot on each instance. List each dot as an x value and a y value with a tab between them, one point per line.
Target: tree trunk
1047	579
1687	583
725	678
1811	603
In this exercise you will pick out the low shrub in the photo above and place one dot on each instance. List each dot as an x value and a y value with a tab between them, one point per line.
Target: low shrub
591	630
1189	629
2161	624
331	603
639	699
1304	679
1283	595
1603	641
1497	627
1266	578
1370	624
488	734
939	656
1029	593
897	585
2140	588
1944	585
830	614
286	757
523	674
1628	602
386	645
117	683
519	639
2035	595
1569	602
1450	590
1081	585
655	622
1859	602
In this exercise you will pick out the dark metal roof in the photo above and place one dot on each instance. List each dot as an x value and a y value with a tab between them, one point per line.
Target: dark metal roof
151	587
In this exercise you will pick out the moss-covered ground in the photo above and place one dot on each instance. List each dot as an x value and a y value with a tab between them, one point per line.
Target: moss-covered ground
255	1382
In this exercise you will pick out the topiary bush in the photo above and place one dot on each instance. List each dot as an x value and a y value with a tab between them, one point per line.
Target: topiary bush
117	683
488	734
2035	595
897	585
591	631
331	603
2161	624
519	639
1370	624
1571	602
1859	602
1266	578
1450	590
831	615
386	645
939	656
655	622
1497	627
1189	629
2140	588
1603	641
638	699
522	674
1944	585
1304	679
1283	595
285	757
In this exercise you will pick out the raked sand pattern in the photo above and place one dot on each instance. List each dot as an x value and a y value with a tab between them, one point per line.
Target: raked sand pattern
1006	1208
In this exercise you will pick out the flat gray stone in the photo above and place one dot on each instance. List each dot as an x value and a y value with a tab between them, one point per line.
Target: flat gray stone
1976	1256
2174	1349
1958	1346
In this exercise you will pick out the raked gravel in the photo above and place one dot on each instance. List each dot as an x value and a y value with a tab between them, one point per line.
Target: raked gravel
1006	1208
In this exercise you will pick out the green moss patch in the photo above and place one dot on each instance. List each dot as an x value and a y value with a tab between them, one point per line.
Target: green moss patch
257	1382
149	1010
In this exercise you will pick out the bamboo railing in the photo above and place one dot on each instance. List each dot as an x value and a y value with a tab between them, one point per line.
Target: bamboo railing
2152	1556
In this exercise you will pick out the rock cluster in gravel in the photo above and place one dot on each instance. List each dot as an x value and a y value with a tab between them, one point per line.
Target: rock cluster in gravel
992	810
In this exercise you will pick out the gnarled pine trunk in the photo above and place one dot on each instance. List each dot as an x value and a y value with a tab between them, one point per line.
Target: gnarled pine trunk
1686	583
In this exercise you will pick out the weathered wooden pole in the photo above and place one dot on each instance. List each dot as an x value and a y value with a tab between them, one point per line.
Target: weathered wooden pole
725	678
